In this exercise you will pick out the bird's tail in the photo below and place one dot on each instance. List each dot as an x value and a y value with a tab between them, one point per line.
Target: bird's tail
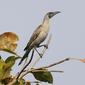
25	56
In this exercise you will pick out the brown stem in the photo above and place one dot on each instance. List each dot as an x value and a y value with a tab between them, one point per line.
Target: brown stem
67	59
26	65
29	71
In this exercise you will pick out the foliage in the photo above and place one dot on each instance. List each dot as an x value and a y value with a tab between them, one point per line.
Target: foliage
43	75
6	67
8	43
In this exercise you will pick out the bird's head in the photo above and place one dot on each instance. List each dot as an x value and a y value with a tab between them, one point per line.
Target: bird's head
51	14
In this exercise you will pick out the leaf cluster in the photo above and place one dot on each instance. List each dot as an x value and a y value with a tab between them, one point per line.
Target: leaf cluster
8	44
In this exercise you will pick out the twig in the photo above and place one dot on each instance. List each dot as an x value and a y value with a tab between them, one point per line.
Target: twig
66	59
41	70
35	82
32	57
44	70
56	71
26	65
29	71
43	51
12	82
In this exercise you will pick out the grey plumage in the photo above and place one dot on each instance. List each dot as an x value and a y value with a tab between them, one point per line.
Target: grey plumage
39	34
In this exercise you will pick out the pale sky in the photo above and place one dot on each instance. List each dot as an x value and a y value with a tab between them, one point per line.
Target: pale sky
67	29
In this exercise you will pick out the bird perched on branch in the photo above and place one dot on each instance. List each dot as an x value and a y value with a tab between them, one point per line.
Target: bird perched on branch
39	35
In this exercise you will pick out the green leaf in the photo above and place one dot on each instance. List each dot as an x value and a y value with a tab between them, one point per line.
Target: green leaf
10	61
22	82
37	84
19	82
7	66
0	57
16	83
6	80
1	83
2	63
43	75
4	73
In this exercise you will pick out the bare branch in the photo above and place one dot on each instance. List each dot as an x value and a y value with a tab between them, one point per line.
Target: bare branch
29	71
56	71
35	82
12	82
62	61
44	70
26	65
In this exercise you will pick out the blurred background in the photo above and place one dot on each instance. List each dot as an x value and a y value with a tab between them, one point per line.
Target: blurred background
67	29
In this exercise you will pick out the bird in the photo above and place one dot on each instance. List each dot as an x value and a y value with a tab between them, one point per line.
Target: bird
39	35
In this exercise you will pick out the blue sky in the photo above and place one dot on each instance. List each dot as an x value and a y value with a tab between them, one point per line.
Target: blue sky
67	29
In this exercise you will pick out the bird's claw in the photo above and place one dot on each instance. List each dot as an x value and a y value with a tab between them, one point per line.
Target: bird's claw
46	46
40	54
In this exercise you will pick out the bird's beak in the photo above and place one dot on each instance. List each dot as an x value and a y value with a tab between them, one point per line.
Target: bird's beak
53	14
57	12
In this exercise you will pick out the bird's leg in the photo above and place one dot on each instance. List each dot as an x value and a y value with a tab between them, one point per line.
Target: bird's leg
45	45
38	53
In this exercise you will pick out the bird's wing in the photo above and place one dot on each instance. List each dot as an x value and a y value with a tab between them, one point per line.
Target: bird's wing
34	36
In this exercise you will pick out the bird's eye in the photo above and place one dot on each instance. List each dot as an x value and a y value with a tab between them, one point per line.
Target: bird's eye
50	15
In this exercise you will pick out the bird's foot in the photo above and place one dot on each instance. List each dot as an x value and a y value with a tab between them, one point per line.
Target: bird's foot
46	46
40	54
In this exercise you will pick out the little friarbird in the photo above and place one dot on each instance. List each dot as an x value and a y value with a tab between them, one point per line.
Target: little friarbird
39	35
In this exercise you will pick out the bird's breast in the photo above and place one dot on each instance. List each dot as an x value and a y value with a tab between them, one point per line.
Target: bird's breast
45	28
42	36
